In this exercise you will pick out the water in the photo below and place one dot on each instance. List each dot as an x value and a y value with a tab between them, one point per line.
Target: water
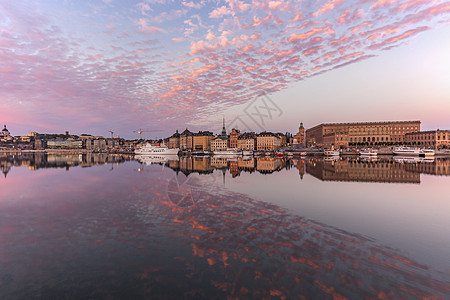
99	226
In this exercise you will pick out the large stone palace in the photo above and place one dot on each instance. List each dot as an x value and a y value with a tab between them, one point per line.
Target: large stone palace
342	135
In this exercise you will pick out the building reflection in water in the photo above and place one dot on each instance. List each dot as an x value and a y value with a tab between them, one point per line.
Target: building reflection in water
237	247
386	170
38	160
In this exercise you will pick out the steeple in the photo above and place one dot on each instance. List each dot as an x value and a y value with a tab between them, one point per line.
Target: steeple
301	125
224	132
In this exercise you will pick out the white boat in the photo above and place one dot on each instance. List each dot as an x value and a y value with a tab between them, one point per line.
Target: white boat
155	159
247	153
331	153
368	152
229	151
148	149
302	154
404	151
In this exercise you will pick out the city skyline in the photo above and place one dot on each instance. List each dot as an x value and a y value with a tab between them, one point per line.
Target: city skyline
165	65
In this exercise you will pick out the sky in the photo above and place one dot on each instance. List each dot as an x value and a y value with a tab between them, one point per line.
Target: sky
162	65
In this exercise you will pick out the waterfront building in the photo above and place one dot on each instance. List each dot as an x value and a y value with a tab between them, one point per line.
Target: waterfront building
186	140
174	141
202	140
267	141
430	139
65	144
247	141
282	137
220	142
234	135
342	135
5	136
299	138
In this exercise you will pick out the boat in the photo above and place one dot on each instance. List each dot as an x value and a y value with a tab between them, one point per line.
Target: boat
290	154
149	149
229	151
155	159
247	153
303	154
280	154
368	152
331	153
405	151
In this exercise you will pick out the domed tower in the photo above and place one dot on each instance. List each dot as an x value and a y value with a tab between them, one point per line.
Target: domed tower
5	135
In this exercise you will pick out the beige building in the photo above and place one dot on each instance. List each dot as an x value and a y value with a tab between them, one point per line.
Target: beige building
432	139
267	141
342	135
202	140
219	143
246	141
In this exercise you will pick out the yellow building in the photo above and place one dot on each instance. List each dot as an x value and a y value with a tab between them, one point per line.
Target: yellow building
219	143
364	133
202	140
267	141
246	141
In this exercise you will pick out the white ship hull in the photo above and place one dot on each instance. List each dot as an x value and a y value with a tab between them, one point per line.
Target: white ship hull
414	152
228	152
156	150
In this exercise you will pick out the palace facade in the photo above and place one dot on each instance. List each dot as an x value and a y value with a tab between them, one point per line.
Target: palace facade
342	135
432	139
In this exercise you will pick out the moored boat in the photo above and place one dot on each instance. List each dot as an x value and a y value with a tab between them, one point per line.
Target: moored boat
368	152
229	151
331	153
405	151
247	153
149	149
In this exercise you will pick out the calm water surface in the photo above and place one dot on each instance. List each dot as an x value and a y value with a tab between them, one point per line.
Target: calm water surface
99	226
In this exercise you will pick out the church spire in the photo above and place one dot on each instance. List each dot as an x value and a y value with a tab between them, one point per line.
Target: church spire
224	132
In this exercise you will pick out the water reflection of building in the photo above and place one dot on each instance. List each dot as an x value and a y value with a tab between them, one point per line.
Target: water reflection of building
439	166
39	160
268	164
359	170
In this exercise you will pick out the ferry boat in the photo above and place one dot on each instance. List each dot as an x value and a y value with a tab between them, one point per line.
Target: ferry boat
302	154
404	151
280	154
331	153
368	152
148	149
229	151
247	153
